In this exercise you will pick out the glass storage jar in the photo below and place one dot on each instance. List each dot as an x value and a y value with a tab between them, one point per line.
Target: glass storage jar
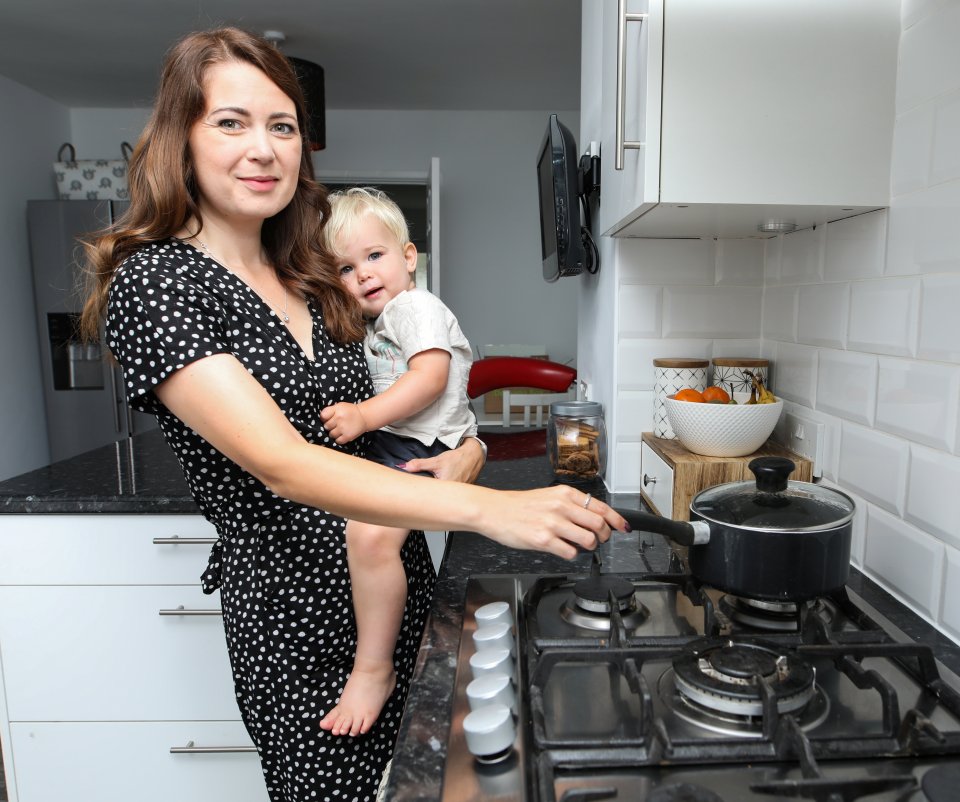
577	440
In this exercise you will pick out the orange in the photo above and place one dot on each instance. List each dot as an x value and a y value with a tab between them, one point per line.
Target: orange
716	395
688	394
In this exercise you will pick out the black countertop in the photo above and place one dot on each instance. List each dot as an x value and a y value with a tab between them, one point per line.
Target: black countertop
141	476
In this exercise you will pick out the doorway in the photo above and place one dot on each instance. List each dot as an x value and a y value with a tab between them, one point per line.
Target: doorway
413	202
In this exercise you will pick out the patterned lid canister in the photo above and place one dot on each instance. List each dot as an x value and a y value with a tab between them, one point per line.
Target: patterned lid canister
674	374
729	372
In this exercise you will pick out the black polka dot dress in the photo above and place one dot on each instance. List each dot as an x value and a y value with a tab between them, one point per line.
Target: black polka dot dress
281	567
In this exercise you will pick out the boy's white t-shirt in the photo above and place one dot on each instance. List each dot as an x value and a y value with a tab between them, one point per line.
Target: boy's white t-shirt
412	322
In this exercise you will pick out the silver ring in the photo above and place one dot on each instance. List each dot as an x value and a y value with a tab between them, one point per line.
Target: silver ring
587	502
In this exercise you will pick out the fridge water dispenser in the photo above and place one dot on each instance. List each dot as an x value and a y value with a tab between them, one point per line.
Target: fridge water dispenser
76	365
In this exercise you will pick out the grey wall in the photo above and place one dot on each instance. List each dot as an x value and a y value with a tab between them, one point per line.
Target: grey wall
32	128
490	274
490	247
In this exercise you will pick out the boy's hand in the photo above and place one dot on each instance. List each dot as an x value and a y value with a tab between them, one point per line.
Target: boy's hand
344	422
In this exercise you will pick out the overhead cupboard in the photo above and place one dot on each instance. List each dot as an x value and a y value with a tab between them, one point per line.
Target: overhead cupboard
713	118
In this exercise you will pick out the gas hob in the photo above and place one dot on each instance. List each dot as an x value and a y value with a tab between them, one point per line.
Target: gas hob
652	687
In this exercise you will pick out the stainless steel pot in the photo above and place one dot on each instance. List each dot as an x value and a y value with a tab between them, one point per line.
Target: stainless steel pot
769	539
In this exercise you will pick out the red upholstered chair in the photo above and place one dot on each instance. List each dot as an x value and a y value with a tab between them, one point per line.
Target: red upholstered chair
508	372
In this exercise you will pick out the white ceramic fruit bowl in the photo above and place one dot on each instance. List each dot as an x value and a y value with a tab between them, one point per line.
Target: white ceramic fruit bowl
722	430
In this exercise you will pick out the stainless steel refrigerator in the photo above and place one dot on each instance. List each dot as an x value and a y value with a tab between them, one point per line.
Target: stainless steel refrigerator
83	394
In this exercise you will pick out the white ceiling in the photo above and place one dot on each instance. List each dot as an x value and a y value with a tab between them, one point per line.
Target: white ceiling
376	54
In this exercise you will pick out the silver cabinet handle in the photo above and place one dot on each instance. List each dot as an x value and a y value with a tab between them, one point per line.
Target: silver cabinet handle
649	480
176	540
622	19
116	398
191	749
181	610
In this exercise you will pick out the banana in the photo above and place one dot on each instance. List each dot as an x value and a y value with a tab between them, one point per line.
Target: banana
758	393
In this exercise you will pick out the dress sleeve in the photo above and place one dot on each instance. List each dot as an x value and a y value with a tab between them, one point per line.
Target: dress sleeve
158	321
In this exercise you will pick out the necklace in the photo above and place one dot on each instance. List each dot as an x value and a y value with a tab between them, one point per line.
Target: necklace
284	316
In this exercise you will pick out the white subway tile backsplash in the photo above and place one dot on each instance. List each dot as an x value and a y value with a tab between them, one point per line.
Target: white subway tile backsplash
690	311
780	313
739	261
855	247
950	604
639	310
883	316
858	540
945	164
635	358
912	146
625	461
736	347
822	311
801	259
923	234
667	261
634	413
772	256
847	385
931	493
874	465
905	559
919	401
939	319
929	59
795	373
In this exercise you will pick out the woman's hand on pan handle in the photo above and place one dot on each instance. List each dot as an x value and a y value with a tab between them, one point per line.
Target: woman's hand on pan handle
551	519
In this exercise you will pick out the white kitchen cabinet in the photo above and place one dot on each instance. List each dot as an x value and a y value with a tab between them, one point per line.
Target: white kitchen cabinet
98	653
657	481
132	762
104	669
742	111
104	549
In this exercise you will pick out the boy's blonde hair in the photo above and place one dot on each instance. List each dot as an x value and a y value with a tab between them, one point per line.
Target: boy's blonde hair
349	206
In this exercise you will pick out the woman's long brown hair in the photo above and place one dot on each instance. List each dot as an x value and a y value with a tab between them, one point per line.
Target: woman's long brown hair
163	193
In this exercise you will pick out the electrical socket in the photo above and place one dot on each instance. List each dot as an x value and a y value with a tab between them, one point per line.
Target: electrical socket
583	390
803	436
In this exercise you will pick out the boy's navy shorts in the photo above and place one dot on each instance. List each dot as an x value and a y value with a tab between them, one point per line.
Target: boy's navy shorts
392	449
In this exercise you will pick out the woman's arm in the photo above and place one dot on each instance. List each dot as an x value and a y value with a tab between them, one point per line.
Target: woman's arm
219	400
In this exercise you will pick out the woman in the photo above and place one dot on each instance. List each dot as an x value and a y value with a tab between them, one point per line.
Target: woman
232	327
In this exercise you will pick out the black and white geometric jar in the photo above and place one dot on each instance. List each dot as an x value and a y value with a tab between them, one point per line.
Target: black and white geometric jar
671	375
732	373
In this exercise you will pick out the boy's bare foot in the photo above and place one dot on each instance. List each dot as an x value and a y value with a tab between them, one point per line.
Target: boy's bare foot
366	692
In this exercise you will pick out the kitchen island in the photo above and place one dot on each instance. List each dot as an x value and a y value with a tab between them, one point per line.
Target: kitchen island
135	488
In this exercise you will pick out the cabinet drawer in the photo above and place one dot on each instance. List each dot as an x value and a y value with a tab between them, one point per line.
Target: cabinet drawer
102	549
130	761
106	654
657	481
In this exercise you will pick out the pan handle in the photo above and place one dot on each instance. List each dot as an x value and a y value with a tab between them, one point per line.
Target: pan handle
693	533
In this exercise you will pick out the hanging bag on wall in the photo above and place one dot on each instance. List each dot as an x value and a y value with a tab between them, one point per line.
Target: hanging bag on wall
91	179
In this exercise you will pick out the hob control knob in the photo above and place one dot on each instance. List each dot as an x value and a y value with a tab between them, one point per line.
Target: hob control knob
490	732
494	636
493	613
491	689
491	661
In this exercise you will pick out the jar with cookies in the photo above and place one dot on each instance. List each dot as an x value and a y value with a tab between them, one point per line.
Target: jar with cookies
577	440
